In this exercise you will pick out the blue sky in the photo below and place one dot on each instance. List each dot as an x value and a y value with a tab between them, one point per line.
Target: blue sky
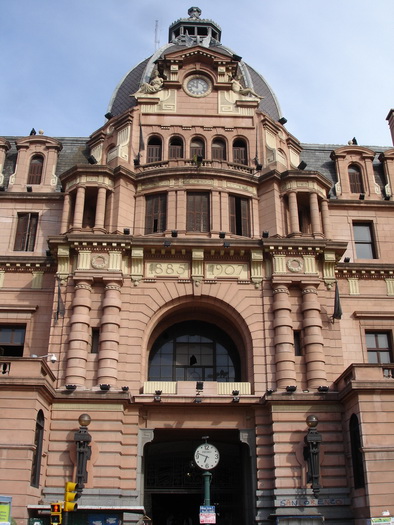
330	63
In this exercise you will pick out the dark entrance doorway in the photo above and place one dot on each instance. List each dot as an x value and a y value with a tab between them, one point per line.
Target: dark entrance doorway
174	484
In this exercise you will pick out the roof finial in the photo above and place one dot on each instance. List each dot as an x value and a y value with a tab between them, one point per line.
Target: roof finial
194	12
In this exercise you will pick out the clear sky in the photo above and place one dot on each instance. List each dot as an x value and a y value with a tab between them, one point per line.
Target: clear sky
329	62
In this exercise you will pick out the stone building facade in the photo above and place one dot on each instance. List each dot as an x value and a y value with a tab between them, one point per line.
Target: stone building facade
192	272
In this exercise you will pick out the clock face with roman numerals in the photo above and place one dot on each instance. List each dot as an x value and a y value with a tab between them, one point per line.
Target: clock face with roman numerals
206	456
197	86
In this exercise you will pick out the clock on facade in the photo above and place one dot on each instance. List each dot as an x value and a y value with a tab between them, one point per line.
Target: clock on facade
197	86
206	456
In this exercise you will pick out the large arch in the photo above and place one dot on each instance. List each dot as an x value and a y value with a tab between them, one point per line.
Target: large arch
205	309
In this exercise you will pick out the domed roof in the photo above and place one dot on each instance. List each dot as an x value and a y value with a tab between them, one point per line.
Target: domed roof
189	32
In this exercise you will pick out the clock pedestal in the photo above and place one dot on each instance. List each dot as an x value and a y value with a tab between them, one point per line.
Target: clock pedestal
207	487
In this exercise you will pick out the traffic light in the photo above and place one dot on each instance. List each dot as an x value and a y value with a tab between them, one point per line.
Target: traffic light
70	495
56	513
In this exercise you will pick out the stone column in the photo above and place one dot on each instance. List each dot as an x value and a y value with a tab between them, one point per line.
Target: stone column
79	207
100	209
283	338
293	209
313	338
315	215
326	219
65	214
79	337
109	335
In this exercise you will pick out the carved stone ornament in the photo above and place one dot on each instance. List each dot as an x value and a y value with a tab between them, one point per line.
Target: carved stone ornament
295	265
99	262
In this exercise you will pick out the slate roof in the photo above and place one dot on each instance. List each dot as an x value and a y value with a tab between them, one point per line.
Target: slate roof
74	151
317	158
121	100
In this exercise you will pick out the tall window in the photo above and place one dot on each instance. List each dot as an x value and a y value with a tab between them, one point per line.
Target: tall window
35	170
239	216
355	179
12	340
194	351
37	452
153	151
357	457
363	239
156	213
197	212
175	148
197	148
26	232
218	149
240	152
379	347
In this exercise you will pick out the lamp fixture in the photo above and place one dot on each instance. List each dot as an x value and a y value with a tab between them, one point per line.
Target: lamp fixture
92	159
346	260
52	357
270	391
126	231
222	235
291	389
174	233
167	243
136	162
361	196
236	399
226	244
302	165
5	368
48	253
29	189
282	121
71	387
104	387
265	234
197	400
108	115
235	392
157	396
323	388
125	388
199	387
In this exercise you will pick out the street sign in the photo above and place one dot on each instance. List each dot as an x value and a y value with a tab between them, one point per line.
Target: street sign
207	514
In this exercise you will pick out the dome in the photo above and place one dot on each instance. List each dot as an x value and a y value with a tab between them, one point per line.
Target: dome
189	32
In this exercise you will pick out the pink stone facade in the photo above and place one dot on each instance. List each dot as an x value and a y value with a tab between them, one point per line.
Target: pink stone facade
135	275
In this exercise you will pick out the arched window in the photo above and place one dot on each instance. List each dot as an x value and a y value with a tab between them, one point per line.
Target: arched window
357	457
37	452
153	152
175	148
240	155
194	351
218	149
35	170
355	179
197	148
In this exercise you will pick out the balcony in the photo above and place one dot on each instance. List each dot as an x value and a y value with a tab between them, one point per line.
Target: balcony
367	376
188	388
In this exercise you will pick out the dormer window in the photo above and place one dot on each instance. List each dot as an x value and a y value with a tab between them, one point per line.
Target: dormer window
218	149
355	179
240	152
175	148
197	148
35	170
153	152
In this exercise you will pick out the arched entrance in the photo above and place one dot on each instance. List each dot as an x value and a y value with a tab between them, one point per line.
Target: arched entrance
174	484
194	351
